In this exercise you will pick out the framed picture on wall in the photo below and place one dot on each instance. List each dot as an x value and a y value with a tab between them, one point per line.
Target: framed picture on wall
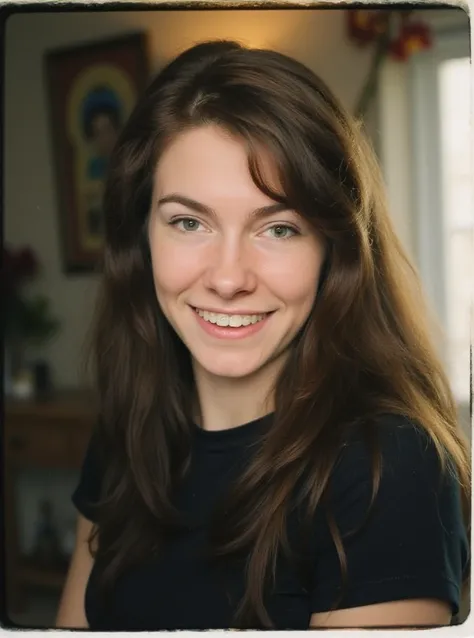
92	90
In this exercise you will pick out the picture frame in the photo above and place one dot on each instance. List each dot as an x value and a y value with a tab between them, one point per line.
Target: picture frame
92	89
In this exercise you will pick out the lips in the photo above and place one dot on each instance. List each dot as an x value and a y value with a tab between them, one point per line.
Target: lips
234	320
230	327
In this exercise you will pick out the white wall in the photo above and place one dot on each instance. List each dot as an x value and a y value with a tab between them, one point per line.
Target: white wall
315	37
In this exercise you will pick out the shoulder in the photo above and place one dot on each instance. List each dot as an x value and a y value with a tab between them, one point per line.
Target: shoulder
404	539
402	450
393	471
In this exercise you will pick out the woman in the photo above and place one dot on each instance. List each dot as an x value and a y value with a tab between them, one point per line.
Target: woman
277	444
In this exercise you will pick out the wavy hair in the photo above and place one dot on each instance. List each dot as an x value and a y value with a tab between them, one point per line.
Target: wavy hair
364	350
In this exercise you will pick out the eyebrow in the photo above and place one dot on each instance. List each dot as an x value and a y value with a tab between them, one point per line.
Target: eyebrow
198	207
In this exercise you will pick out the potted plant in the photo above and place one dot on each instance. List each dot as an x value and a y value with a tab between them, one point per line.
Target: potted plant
28	321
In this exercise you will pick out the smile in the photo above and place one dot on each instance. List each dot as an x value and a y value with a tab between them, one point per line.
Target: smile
233	321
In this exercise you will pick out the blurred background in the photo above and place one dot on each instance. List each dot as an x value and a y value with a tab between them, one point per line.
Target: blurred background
71	78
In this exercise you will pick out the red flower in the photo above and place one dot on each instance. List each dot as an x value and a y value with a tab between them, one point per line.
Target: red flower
26	263
397	50
366	25
18	267
414	36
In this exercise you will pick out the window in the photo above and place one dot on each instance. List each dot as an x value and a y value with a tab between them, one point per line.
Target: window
457	203
440	85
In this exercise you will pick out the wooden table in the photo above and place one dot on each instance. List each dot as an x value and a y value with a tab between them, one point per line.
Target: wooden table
51	434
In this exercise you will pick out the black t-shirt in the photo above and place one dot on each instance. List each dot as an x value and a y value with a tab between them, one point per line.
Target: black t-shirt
413	545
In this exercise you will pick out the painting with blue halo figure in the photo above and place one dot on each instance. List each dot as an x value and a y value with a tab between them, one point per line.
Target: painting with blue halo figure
101	120
102	117
93	88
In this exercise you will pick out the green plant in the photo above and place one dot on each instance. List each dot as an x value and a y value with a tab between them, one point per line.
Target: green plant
27	319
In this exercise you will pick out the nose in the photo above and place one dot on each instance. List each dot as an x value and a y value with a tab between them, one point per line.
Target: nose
230	271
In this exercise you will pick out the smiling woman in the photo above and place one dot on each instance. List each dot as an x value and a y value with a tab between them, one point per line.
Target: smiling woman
277	444
235	264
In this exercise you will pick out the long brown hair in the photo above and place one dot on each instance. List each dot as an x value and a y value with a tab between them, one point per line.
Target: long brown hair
364	350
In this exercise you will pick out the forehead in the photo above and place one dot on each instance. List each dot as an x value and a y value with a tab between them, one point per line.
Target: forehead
211	163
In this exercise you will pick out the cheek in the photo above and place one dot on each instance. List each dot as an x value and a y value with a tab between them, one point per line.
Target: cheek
174	269
295	278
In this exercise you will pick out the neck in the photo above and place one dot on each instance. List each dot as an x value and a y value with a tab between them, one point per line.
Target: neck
225	403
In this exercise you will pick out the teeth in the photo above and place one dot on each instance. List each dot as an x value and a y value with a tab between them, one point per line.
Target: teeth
235	321
222	320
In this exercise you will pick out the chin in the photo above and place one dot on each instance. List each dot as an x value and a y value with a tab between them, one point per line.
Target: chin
230	367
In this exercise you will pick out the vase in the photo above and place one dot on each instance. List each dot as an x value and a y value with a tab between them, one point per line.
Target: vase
18	375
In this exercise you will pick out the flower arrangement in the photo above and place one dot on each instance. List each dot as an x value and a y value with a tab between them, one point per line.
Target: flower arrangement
27	322
27	319
393	33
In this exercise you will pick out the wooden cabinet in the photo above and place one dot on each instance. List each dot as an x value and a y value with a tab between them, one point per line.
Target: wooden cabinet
49	434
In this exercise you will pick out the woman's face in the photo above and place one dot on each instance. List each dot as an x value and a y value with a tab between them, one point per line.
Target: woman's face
235	273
